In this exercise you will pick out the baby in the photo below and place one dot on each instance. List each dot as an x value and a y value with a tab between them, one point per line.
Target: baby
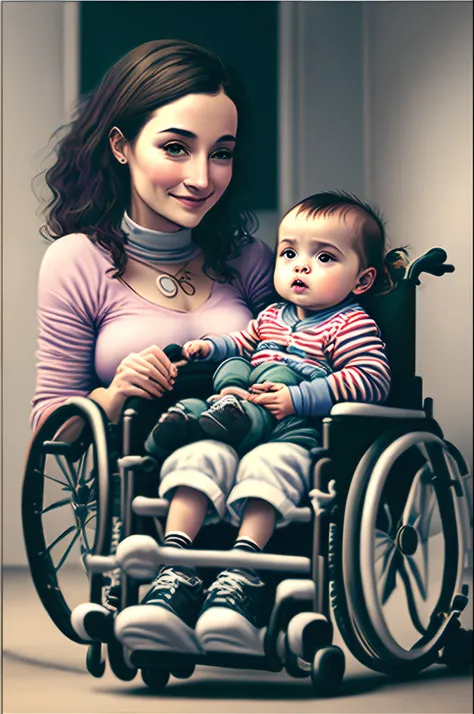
299	356
279	377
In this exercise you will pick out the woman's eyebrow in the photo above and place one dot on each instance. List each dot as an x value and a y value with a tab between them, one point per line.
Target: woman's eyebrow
191	135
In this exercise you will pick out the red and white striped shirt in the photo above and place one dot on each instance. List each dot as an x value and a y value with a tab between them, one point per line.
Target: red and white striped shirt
343	340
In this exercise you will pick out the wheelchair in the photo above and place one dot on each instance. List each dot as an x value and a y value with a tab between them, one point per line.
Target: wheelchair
385	533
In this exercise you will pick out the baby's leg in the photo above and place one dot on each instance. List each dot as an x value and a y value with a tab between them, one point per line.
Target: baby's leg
271	481
176	427
231	418
196	479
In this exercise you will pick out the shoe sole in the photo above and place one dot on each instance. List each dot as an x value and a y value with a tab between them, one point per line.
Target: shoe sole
153	628
221	629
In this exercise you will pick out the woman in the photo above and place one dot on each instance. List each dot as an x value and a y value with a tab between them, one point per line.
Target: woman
152	248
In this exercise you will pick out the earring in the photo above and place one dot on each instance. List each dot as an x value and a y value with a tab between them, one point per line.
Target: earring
122	160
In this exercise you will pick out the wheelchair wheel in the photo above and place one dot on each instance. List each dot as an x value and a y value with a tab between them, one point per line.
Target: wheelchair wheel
155	679
327	671
402	549
66	510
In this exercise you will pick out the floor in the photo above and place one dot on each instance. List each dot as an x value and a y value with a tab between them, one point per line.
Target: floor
45	672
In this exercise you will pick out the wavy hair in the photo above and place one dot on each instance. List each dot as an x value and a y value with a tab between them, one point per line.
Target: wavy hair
90	189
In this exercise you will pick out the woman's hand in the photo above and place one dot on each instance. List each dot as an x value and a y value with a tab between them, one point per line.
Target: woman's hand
196	348
273	396
147	374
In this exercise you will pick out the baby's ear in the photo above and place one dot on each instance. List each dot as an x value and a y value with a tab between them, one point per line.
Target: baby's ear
365	281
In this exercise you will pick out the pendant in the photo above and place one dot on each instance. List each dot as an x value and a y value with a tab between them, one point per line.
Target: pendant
167	286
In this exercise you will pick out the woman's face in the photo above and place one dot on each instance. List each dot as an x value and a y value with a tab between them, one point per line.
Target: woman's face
181	162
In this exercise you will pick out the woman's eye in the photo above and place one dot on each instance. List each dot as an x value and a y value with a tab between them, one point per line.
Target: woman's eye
289	253
325	258
222	155
175	149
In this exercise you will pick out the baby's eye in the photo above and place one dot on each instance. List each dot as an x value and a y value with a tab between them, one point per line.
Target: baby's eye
175	149
326	258
289	253
222	155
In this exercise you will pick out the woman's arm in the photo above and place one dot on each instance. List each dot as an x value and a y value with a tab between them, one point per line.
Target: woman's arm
70	293
68	290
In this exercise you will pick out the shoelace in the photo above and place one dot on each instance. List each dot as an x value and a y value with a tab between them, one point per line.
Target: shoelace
228	583
167	581
223	401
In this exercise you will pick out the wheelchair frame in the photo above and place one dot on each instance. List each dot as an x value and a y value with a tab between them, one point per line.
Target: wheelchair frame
358	441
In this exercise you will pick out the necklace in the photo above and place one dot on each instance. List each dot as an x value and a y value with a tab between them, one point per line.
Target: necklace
168	283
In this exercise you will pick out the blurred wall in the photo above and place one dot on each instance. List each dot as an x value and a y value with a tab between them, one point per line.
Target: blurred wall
419	148
33	107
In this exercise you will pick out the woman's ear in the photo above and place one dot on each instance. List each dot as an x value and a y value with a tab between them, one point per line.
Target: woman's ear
365	281
118	144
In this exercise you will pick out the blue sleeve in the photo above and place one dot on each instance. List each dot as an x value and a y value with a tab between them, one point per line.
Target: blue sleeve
312	398
221	348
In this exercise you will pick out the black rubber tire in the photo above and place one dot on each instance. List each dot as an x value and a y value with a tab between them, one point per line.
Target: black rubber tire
356	504
118	664
291	664
184	672
42	567
327	671
155	678
95	663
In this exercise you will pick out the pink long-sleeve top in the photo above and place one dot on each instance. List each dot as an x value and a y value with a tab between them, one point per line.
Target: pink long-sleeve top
89	322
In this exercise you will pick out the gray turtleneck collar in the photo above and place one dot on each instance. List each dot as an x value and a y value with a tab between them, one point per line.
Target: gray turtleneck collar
155	246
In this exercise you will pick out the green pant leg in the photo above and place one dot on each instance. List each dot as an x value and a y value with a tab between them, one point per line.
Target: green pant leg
233	372
274	372
193	407
262	424
294	429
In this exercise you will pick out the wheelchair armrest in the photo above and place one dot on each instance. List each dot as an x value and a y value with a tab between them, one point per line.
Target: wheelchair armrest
363	409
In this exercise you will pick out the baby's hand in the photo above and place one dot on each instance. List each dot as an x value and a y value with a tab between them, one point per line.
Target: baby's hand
273	396
196	348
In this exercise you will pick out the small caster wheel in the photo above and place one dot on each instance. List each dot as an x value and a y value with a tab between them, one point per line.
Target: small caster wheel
328	670
95	663
294	665
183	672
457	652
118	663
155	679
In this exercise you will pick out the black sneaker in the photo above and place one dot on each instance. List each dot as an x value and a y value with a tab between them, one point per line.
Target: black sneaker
174	429
226	420
243	592
179	591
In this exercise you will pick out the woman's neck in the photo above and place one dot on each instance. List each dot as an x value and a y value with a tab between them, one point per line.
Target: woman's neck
155	246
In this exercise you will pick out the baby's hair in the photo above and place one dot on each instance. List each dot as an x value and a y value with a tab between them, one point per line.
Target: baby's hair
371	239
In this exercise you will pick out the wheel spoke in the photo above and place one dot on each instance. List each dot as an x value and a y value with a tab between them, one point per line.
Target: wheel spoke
63	535
389	574
65	486
56	504
66	472
421	578
412	609
83	469
67	551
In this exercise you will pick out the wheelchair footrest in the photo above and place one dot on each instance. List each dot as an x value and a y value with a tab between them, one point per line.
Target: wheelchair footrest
171	660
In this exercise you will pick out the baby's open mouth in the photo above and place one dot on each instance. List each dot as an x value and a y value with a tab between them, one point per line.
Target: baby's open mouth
298	284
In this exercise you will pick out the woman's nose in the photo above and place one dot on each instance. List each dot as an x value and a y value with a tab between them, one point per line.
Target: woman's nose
198	177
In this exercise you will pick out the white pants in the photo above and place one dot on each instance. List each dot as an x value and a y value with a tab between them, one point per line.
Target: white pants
276	472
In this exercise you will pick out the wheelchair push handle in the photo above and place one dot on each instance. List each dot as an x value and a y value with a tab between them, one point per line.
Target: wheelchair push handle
432	262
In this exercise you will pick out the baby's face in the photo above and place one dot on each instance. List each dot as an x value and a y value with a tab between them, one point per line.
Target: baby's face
317	265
